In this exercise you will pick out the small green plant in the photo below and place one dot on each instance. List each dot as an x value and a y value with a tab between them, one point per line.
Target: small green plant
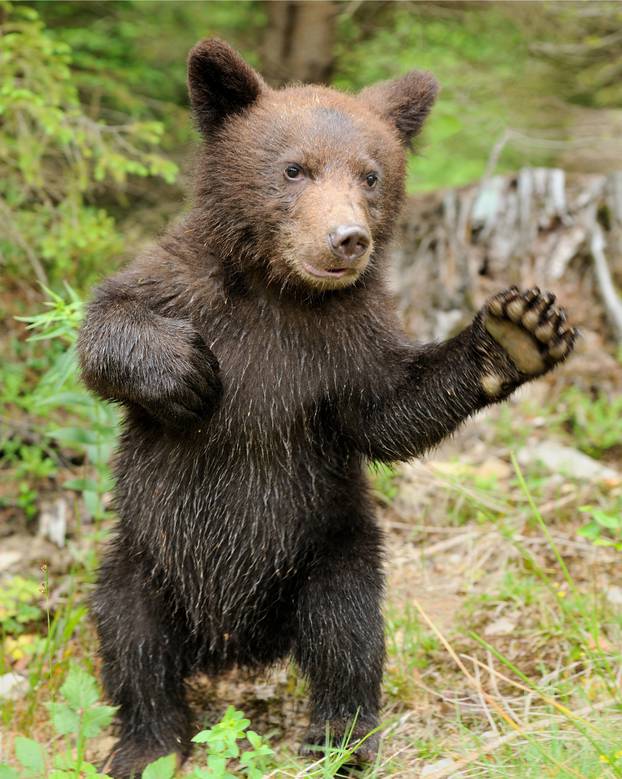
383	479
222	748
19	604
604	527
594	422
411	647
76	717
59	388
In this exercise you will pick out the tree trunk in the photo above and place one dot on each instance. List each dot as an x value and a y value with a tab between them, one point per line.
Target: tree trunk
298	43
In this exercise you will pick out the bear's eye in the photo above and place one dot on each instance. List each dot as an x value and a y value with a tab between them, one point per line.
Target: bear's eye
294	172
371	179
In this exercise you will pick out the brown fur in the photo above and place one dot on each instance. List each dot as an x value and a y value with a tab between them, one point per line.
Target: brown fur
255	390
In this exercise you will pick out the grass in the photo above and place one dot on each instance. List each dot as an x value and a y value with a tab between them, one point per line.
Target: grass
504	621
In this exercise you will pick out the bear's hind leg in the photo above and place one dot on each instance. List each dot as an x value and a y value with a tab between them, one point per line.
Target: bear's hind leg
145	662
340	640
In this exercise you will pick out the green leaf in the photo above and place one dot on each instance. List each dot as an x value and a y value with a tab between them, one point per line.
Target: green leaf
92	502
217	764
6	772
76	436
79	690
65	720
95	719
608	521
202	737
80	485
590	531
30	755
163	768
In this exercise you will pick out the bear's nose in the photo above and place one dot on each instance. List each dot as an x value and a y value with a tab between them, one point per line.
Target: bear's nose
349	242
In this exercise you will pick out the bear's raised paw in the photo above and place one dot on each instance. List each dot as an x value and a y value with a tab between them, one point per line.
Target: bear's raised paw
533	331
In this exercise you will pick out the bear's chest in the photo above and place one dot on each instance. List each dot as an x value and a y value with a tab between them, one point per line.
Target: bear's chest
278	369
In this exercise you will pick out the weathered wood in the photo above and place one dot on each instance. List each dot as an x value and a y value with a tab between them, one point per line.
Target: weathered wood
538	227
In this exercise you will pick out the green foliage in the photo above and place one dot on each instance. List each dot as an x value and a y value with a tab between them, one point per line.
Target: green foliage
54	157
582	48
162	768
222	747
383	479
604	527
19	605
76	717
595	423
94	434
481	60
411	647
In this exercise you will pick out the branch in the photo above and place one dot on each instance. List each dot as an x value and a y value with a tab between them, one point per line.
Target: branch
611	301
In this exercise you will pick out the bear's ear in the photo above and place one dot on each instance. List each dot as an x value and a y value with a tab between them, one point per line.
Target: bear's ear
405	101
220	83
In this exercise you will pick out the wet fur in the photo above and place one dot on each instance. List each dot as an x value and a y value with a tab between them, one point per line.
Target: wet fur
246	531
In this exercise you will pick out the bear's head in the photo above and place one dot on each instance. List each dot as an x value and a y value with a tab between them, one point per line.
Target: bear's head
300	186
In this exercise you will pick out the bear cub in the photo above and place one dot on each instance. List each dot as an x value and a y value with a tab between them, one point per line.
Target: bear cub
260	365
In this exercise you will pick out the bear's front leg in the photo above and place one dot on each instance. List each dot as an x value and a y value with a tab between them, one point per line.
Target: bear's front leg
131	354
425	392
340	640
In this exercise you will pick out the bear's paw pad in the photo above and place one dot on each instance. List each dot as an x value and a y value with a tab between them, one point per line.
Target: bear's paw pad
531	328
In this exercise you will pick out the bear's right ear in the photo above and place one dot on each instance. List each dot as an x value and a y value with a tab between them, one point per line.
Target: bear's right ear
220	83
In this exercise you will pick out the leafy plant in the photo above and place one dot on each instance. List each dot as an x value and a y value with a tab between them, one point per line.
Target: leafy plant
59	388
383	478
604	527
19	604
594	422
222	748
54	156
77	717
19	610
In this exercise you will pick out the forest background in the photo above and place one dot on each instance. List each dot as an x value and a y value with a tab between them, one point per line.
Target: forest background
95	139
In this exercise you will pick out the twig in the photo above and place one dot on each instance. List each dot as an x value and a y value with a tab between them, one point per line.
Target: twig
608	293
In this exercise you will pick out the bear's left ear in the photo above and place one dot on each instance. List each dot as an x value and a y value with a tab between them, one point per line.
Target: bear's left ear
220	83
405	101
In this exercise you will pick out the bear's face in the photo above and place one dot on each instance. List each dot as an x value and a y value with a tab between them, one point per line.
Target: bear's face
302	185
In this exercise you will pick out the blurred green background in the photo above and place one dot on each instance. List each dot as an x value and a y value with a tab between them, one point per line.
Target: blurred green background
95	126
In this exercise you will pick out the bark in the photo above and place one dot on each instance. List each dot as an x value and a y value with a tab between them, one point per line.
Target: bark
538	227
298	43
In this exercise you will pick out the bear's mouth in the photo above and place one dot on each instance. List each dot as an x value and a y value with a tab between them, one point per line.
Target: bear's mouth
326	273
